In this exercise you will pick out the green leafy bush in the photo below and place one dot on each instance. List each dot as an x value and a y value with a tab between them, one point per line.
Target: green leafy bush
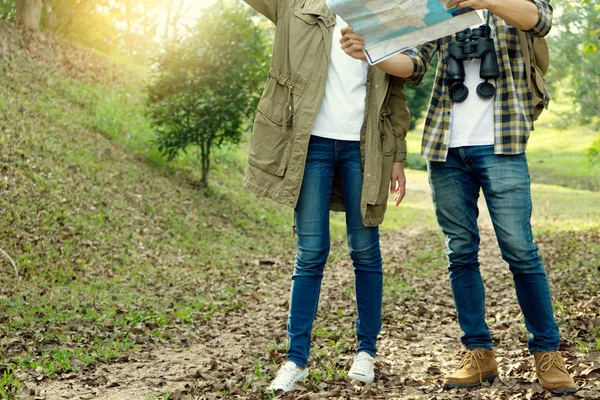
206	86
7	9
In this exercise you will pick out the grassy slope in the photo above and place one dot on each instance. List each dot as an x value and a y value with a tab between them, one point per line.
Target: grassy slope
106	237
112	243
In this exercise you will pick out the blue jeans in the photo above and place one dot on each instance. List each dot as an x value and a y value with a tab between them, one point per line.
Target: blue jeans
327	157
505	182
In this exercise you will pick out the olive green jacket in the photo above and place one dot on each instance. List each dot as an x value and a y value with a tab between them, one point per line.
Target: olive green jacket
290	102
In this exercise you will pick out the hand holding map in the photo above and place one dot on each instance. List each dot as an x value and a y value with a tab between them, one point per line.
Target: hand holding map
391	26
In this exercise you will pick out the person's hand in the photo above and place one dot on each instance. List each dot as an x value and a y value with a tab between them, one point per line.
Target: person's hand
353	44
474	4
398	181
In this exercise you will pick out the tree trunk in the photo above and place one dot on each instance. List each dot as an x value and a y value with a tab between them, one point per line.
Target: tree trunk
29	13
205	155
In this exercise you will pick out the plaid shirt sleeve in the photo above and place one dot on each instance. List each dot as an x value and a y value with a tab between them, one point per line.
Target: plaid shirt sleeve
421	57
544	20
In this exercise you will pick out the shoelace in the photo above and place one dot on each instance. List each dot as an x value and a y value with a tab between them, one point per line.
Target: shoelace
286	375
548	360
473	358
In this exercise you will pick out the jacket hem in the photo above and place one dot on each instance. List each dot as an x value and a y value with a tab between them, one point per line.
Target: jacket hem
261	191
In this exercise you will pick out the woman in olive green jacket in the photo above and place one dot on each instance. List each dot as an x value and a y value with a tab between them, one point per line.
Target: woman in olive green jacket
329	134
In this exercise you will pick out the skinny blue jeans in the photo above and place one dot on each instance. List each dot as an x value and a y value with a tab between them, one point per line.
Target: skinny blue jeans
325	158
505	182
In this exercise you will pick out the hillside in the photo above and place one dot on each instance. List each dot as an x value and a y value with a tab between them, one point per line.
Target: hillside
134	283
106	238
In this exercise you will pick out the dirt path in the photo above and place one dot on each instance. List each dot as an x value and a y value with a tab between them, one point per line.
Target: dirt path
419	342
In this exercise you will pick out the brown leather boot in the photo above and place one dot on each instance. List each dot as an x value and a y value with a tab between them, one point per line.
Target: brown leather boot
552	372
477	366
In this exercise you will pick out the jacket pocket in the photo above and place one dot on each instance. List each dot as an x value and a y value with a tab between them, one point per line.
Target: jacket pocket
388	142
310	19
271	139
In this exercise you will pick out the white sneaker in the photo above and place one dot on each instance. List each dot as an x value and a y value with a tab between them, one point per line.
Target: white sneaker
363	368
287	376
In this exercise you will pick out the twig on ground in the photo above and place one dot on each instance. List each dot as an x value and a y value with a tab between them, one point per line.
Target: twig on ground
11	261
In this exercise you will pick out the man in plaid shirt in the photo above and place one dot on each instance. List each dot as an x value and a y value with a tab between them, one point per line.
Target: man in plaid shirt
478	143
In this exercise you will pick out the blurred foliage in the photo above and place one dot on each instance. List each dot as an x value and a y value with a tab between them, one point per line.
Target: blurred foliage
419	97
575	57
7	9
593	152
206	86
124	26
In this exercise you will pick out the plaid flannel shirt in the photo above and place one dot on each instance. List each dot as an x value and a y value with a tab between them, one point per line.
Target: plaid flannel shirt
513	108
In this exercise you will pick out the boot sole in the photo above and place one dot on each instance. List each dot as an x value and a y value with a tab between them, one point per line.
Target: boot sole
564	390
559	390
489	378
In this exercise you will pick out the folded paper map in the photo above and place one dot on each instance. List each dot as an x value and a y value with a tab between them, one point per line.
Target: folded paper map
391	26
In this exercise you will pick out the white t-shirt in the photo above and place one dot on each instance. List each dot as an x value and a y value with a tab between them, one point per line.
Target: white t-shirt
343	107
473	119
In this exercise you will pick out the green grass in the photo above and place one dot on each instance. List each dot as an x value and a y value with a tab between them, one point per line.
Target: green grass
557	152
553	208
415	210
562	209
9	383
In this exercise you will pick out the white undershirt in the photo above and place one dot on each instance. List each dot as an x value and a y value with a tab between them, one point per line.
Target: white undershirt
473	119
343	107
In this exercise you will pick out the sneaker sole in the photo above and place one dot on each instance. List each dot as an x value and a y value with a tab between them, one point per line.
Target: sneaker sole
489	378
362	378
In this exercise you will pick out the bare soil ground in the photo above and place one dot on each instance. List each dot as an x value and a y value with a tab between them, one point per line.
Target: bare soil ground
419	342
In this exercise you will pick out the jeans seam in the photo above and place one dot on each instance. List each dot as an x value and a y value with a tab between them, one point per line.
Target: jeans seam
483	306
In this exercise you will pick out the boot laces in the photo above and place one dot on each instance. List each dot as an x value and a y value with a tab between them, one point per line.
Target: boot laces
473	358
549	360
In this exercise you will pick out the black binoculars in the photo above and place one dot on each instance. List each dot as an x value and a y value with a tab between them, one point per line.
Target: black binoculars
471	44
